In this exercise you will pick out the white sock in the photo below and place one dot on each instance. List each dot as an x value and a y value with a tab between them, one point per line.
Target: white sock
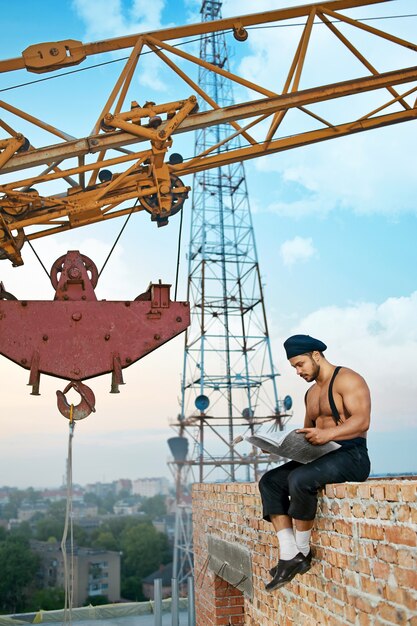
287	546
302	539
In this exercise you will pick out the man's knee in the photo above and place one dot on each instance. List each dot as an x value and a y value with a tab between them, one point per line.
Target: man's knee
265	482
300	481
271	480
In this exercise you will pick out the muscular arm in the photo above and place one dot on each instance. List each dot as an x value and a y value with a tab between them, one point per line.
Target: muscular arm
357	404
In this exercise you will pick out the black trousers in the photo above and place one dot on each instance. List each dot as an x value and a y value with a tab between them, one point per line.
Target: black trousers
291	489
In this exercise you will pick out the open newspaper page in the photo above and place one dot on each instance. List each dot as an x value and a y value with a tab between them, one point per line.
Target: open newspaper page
293	446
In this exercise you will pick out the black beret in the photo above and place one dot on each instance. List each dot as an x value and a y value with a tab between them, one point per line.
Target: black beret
300	344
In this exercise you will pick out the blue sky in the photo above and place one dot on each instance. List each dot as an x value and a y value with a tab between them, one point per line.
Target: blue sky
335	225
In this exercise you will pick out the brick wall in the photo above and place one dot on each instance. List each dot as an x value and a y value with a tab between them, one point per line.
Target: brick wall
364	572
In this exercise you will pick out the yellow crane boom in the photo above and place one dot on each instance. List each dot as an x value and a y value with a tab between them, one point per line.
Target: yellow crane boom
134	141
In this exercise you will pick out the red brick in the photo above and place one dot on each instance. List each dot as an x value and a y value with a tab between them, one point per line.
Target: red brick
392	614
392	492
371	511
381	569
340	491
387	553
406	559
406	577
365	619
371	531
371	586
335	508
343	528
408	491
378	492
364	490
357	510
404	513
401	535
384	512
363	604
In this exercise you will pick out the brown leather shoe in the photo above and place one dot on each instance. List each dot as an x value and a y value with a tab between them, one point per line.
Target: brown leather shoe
286	570
309	556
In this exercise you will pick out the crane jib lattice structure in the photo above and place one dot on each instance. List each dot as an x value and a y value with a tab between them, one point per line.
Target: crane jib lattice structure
109	173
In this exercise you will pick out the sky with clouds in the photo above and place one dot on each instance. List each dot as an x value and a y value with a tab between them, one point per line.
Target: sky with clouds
335	225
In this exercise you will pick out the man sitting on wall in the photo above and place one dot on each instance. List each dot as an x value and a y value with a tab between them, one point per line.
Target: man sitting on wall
337	409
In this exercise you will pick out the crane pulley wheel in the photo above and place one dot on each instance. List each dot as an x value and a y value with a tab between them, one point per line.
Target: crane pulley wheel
18	236
150	203
58	267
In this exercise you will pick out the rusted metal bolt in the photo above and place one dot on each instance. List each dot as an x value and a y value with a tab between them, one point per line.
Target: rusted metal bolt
76	370
128	359
156	337
24	303
54	52
127	303
179	319
83	297
76	316
94	142
23	361
66	297
74	272
106	337
45	337
162	134
165	189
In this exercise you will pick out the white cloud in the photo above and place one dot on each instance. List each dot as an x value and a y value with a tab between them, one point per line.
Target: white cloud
112	18
380	342
367	173
297	249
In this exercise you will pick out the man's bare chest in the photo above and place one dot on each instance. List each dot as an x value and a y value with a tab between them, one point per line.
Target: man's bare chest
318	403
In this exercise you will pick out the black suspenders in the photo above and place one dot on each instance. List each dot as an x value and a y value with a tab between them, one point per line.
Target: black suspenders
332	403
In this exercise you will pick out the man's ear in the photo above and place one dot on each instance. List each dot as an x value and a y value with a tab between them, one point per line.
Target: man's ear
316	356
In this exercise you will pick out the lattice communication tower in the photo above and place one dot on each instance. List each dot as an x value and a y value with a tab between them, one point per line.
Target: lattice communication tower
228	387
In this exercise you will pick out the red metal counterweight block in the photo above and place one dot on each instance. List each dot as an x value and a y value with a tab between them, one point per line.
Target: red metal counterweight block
77	337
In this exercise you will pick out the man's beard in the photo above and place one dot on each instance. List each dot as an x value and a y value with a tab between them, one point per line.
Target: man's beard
315	373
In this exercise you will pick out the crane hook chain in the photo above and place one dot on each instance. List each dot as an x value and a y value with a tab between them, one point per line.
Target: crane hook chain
80	410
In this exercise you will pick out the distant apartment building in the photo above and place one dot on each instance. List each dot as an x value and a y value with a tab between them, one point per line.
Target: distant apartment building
96	572
123	484
84	510
149	487
28	510
101	490
56	495
4	497
126	507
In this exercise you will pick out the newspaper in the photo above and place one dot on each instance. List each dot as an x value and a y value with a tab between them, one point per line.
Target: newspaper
292	446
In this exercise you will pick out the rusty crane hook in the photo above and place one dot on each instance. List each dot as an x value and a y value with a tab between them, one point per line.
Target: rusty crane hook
83	408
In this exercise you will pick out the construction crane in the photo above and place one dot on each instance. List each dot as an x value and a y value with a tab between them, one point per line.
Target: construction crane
126	163
111	173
